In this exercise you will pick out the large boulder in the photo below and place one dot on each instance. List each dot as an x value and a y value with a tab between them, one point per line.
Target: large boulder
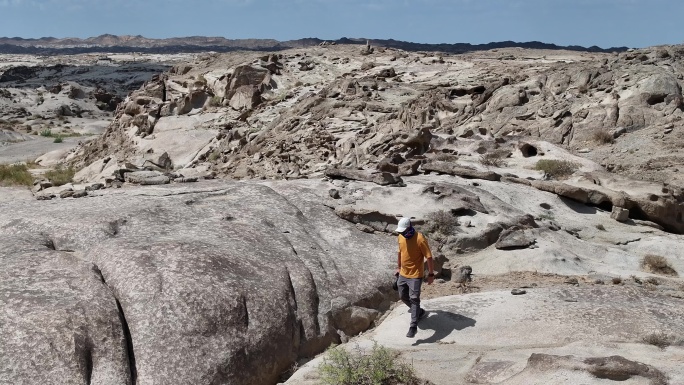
226	85
60	322
514	239
245	97
217	283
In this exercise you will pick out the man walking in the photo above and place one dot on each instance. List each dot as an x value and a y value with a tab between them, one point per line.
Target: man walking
413	249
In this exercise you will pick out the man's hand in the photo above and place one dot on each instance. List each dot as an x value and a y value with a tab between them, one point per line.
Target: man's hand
431	279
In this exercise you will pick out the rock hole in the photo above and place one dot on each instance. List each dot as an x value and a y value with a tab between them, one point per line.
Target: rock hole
463	212
528	150
458	92
638	214
478	90
605	206
49	243
655	99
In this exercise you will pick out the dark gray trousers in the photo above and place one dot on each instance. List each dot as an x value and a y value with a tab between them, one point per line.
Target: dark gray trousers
409	292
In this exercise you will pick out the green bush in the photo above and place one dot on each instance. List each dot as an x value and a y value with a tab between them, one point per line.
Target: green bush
46	133
557	168
15	175
58	139
381	366
60	176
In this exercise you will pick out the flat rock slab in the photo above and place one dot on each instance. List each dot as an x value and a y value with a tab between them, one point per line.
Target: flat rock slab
210	282
492	337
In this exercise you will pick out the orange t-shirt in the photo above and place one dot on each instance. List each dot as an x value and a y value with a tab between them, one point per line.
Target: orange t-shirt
413	251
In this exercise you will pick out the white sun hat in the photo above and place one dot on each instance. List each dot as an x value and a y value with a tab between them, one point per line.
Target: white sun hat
404	224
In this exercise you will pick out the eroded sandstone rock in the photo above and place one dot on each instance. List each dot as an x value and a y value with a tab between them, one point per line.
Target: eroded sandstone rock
223	282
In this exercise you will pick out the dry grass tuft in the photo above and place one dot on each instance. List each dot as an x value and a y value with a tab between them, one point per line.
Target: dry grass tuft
494	159
60	176
657	264
215	101
660	339
603	136
15	175
442	222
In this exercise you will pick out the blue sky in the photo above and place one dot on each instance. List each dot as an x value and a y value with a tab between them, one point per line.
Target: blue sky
606	23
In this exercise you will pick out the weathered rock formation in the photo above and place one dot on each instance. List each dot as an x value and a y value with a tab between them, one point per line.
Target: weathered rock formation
218	283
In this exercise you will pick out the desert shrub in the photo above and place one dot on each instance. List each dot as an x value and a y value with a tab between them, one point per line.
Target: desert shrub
214	156
547	215
600	227
215	101
15	175
46	133
445	157
658	265
603	136
616	280
583	89
58	139
201	80
60	175
381	366
659	339
493	159
556	168
442	222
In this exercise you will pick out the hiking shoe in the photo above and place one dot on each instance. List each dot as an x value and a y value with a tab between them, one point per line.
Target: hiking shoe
412	332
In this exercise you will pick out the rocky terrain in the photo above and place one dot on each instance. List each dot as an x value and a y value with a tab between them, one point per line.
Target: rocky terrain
235	216
71	97
112	43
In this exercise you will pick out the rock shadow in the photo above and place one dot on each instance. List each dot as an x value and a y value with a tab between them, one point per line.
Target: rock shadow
443	323
578	207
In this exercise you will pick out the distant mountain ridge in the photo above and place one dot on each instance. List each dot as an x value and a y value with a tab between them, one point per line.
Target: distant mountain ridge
128	43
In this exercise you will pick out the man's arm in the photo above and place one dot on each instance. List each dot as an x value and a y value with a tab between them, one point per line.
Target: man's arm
427	253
